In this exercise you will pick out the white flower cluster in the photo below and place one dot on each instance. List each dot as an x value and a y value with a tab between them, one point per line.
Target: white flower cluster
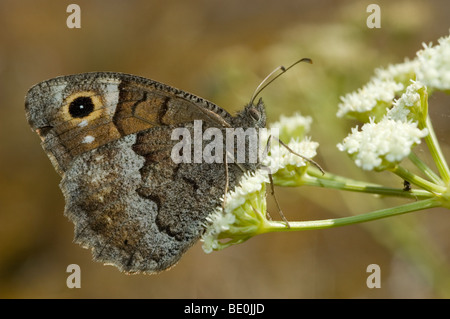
383	144
295	126
392	131
223	219
216	223
250	183
366	98
291	131
402	107
400	72
434	65
280	157
431	67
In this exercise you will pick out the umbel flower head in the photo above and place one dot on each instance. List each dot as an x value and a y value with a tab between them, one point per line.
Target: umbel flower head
244	213
382	145
281	162
242	217
431	67
292	127
394	126
370	101
409	106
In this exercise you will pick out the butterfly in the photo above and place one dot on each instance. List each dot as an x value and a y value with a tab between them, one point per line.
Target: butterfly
109	137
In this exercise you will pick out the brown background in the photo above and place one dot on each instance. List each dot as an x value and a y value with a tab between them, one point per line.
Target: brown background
220	50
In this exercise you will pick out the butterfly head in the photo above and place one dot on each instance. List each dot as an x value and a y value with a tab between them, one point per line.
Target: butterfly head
252	115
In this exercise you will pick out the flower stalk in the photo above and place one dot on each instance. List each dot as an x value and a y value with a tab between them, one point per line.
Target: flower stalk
276	226
436	153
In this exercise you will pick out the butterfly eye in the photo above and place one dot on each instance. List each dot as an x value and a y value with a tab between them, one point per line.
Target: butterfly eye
254	113
81	107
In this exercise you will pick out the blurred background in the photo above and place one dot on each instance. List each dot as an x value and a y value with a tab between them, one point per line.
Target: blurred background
221	50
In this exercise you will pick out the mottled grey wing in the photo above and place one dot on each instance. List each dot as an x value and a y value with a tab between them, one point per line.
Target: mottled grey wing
130	203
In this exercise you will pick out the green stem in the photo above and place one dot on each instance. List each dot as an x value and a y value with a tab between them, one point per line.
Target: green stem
314	177
278	226
416	180
355	186
436	152
425	169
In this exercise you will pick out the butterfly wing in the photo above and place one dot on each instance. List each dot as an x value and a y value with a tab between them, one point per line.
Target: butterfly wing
109	136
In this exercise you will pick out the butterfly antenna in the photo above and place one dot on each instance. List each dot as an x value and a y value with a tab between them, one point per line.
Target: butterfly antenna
264	82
